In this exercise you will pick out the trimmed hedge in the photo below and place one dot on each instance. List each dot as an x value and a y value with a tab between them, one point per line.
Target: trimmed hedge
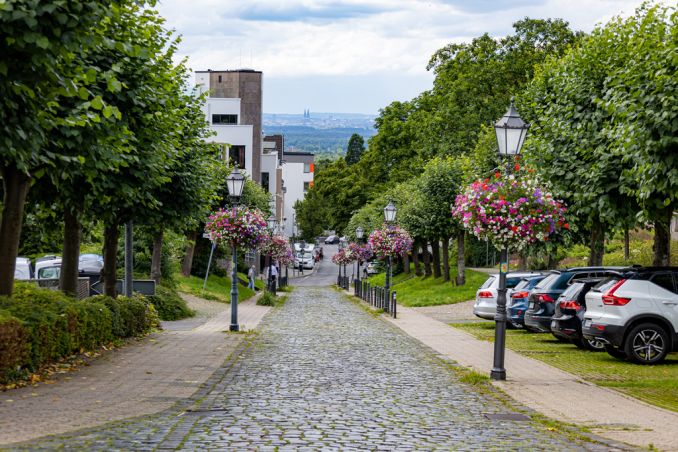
169	304
39	326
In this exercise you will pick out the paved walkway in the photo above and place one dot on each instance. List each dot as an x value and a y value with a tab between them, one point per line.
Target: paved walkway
140	378
557	394
322	373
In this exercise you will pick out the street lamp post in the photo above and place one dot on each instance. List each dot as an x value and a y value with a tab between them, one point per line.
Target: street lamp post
271	223
389	215
235	183
359	235
511	131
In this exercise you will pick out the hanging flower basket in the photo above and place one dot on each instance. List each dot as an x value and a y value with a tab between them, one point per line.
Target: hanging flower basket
241	226
343	257
389	241
360	252
511	212
279	249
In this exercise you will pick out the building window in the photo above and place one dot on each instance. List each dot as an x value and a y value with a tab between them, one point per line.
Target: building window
307	185
264	181
307	167
220	79
236	155
225	119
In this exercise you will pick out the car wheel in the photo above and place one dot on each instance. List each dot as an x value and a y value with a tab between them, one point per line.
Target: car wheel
647	343
615	352
593	345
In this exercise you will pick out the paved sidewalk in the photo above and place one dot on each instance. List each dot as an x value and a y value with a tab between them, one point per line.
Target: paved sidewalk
141	378
550	391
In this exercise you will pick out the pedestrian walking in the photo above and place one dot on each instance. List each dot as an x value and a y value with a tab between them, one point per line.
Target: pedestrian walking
250	277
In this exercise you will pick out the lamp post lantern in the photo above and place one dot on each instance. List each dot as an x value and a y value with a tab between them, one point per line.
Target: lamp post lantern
235	183
511	131
390	212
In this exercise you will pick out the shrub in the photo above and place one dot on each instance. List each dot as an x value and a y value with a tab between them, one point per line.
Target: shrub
267	299
130	316
169	304
13	343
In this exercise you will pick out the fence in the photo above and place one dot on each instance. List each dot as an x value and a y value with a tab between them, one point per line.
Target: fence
343	282
376	296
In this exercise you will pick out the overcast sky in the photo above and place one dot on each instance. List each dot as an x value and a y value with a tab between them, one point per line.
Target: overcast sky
351	56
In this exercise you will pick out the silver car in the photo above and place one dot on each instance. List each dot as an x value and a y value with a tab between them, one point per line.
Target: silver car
485	306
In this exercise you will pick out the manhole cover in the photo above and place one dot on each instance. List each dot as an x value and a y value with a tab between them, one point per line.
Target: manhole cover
506	417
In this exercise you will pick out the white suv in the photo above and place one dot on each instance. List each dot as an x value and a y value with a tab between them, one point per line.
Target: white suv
485	306
635	314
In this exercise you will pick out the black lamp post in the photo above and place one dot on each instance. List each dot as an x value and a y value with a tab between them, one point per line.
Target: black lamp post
271	223
511	131
359	235
235	183
389	215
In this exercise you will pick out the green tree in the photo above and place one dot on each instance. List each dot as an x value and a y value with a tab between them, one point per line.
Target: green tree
44	43
355	149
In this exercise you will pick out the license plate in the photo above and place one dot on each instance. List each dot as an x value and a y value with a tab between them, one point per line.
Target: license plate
553	323
531	306
587	322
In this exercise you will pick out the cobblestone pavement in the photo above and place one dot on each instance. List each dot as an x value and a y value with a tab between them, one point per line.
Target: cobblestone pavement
325	374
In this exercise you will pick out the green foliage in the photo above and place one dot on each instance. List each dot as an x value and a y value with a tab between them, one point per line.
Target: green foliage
218	287
355	149
169	304
267	299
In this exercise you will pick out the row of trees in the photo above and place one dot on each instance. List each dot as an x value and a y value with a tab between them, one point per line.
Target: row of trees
99	124
603	113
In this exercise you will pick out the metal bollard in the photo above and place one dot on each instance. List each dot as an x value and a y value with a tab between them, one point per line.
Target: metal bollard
393	311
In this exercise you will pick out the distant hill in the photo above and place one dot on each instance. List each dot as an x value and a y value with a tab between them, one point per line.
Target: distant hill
324	134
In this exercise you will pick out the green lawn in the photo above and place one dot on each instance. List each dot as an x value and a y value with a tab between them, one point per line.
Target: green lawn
428	291
218	288
657	385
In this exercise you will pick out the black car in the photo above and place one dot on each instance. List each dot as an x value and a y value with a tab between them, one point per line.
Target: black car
569	315
544	295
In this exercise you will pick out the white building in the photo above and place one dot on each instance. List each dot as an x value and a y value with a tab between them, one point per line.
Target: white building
297	174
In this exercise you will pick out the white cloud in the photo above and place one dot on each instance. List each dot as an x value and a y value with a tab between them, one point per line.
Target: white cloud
330	38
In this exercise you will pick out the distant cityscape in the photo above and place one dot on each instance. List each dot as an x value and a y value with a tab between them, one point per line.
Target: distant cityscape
324	134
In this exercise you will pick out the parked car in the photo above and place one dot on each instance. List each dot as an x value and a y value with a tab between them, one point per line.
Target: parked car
90	263
569	315
48	267
485	306
23	269
305	259
373	267
518	301
332	240
546	292
635	314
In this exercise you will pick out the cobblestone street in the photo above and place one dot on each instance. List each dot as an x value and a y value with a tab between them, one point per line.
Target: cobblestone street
323	373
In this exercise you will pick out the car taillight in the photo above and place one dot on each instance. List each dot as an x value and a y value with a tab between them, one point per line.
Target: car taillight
611	299
544	298
570	304
520	295
485	294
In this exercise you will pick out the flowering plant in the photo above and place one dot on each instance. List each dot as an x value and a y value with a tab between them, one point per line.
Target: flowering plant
239	226
279	249
389	241
343	257
509	211
360	252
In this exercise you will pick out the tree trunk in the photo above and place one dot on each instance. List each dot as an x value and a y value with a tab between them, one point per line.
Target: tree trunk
71	253
522	261
15	184
156	257
446	259
406	263
415	258
627	251
109	272
597	244
187	263
461	263
435	248
427	259
662	240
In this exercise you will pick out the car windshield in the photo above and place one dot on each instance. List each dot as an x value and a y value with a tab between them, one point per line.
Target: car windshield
488	283
547	281
605	284
512	282
49	273
572	291
523	284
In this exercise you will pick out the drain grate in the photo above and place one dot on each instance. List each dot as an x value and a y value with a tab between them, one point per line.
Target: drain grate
506	417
